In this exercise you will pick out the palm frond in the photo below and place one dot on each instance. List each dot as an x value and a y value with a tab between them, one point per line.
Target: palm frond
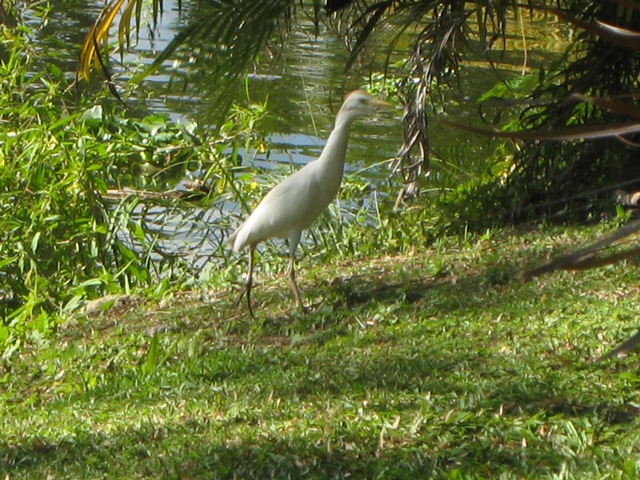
229	35
98	33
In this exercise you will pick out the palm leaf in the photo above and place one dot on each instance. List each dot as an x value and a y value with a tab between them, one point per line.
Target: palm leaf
229	34
98	33
584	258
618	36
377	11
582	132
623	108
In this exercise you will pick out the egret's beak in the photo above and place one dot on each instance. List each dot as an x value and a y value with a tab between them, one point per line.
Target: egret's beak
380	103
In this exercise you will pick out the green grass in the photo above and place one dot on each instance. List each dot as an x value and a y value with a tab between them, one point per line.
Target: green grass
436	364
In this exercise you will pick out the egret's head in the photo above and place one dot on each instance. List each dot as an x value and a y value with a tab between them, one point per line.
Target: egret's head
359	102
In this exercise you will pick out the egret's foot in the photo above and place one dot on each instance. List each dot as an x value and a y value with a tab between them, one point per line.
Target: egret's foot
305	310
246	290
310	308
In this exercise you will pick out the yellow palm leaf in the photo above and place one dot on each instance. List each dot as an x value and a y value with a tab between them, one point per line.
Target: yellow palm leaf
99	32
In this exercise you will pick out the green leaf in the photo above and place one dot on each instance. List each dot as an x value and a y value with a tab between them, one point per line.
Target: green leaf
34	242
92	116
152	355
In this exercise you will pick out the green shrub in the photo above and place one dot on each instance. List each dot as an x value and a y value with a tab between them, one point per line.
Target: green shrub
63	237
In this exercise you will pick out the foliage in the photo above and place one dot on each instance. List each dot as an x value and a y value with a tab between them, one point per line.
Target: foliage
434	365
547	171
69	228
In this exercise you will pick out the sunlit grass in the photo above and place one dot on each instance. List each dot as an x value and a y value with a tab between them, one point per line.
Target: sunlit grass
433	364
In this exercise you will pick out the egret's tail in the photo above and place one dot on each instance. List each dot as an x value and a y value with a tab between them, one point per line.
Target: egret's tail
231	241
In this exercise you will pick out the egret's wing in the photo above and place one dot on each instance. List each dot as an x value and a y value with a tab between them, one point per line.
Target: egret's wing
290	204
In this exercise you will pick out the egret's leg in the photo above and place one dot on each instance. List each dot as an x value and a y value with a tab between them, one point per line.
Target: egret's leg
294	239
249	284
294	286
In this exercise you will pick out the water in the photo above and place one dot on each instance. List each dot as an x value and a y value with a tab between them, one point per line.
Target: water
303	90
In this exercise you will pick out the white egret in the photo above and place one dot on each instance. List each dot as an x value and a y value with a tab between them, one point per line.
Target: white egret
292	205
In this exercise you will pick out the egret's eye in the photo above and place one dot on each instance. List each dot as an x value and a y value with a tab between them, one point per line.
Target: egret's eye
362	100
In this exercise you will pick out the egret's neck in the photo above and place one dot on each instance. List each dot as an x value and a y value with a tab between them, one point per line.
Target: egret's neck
335	150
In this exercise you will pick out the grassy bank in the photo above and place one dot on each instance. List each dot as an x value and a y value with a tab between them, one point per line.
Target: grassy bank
434	364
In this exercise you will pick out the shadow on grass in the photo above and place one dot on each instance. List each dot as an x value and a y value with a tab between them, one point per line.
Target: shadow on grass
468	411
358	290
197	449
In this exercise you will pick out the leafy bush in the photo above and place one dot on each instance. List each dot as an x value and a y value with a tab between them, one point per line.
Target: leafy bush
69	230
